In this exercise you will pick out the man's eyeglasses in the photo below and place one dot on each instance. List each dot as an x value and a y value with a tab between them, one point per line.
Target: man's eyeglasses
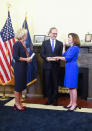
54	33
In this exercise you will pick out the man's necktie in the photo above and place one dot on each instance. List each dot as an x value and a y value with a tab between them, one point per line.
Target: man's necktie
52	45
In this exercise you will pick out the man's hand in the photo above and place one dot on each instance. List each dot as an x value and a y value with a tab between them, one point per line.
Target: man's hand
59	58
29	59
48	58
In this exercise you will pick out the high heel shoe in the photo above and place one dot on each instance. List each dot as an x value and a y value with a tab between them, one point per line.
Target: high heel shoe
24	107
66	107
16	108
74	108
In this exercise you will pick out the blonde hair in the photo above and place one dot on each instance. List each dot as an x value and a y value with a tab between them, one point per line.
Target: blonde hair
20	33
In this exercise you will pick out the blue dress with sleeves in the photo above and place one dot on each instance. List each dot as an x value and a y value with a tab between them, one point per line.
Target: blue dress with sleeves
20	67
71	67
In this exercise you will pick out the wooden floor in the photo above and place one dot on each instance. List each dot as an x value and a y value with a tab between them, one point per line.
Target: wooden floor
62	100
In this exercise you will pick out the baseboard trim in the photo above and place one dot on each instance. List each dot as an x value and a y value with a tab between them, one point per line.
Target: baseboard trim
89	98
34	95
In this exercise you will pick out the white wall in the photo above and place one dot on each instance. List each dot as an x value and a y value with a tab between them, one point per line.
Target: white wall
66	15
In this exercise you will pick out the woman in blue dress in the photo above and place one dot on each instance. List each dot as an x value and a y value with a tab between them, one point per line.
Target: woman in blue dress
20	56
71	68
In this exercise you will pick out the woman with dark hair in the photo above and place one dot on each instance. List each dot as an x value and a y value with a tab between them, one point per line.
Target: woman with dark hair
71	68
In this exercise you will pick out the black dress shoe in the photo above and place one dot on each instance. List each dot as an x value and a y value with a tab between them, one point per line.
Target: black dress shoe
55	103
48	103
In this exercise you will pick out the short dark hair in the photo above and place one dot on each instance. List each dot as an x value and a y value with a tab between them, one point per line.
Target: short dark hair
75	38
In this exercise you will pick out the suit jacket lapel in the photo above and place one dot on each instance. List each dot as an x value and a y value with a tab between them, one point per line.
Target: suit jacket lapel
50	45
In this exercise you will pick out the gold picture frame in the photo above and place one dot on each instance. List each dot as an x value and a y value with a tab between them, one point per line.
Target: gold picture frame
88	37
39	38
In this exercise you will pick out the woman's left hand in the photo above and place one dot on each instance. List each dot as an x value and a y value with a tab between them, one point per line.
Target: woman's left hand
63	58
29	59
59	58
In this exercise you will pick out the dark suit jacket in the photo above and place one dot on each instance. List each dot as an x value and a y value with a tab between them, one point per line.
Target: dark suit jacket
46	51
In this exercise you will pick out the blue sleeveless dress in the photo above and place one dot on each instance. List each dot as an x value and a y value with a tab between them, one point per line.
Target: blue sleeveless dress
71	67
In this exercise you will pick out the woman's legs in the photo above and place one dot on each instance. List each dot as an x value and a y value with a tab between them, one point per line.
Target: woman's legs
70	92
20	99
74	98
17	99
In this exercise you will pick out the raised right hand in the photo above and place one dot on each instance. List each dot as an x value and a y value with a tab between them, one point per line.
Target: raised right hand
64	43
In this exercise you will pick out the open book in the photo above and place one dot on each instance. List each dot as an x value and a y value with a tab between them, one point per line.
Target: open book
52	59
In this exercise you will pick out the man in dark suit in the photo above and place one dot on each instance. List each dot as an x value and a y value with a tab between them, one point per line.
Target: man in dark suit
51	48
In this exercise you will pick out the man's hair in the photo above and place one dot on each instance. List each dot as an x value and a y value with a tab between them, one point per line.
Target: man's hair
52	28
